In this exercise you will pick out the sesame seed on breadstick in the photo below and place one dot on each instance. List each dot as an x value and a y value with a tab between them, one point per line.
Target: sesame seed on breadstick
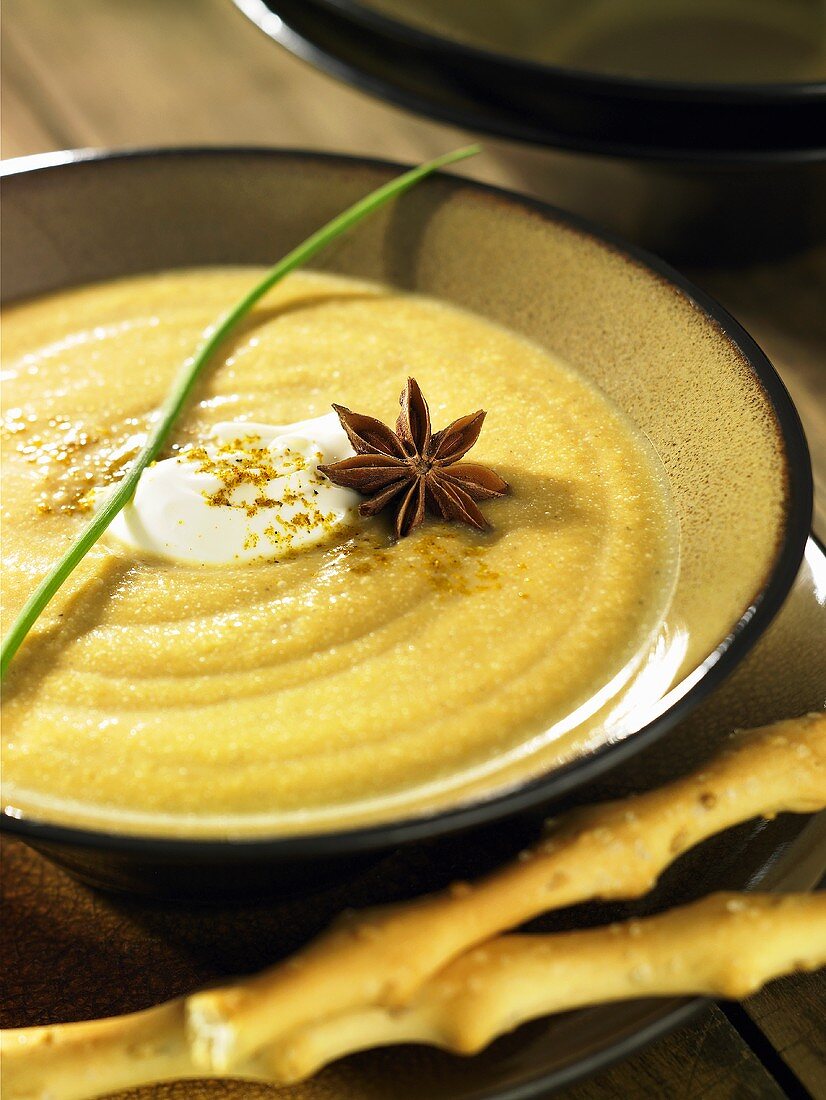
610	850
726	945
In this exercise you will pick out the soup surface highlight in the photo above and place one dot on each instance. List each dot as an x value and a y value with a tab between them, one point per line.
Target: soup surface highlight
352	682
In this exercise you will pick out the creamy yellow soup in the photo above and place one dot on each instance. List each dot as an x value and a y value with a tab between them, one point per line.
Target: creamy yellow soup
357	681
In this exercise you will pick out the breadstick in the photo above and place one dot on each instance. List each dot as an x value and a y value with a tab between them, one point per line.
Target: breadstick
97	1057
611	850
726	945
74	1061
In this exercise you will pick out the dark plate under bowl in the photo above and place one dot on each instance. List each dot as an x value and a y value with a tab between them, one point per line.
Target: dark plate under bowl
667	354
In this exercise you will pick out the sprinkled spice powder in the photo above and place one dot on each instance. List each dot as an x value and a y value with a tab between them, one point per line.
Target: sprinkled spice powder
245	473
72	460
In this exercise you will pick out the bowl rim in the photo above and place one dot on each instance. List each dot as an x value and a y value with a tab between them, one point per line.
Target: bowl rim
268	17
737	92
551	787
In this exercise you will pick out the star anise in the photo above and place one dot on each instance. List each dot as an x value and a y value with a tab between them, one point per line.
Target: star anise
412	469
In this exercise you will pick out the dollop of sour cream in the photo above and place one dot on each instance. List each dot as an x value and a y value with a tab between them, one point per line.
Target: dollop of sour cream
250	492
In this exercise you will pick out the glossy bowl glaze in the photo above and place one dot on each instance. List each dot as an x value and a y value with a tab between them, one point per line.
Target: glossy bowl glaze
733	48
684	370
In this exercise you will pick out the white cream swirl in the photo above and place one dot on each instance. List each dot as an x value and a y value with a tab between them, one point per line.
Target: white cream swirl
250	492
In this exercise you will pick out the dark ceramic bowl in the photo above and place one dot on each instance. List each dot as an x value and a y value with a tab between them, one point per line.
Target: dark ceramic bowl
676	362
492	50
700	173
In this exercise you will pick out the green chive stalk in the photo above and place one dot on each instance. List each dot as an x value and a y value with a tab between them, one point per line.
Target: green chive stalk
183	385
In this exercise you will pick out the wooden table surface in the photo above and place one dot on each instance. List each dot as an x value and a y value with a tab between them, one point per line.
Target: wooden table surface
188	72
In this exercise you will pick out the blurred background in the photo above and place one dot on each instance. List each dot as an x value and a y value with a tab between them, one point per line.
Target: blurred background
583	103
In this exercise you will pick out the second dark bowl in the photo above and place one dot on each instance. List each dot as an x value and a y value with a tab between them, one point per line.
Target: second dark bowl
702	175
609	112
